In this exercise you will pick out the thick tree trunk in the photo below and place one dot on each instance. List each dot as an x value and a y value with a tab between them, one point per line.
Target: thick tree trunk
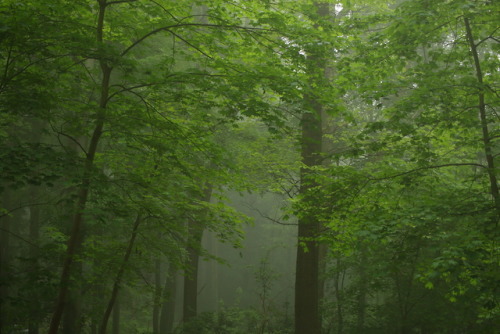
84	187
307	278
307	319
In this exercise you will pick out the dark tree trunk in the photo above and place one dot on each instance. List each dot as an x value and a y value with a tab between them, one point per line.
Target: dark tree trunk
119	275
157	298
494	191
115	329
168	307
195	230
362	293
307	320
307	278
84	187
71	317
34	234
5	222
190	304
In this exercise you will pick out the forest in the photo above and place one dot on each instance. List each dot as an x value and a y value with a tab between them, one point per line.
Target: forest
249	166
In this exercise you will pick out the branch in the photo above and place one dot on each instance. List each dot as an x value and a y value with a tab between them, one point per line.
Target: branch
191	45
180	25
119	1
277	221
8	212
489	37
166	11
427	167
19	237
130	89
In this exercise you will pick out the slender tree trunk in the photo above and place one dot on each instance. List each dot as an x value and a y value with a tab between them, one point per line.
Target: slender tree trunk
195	231
34	235
338	296
71	322
84	187
115	329
5	222
484	120
363	291
119	275
157	298
190	304
169	297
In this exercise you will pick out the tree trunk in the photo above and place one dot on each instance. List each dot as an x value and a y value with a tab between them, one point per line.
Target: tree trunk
84	187
190	304
5	222
168	307
363	291
484	121
338	296
119	275
195	231
34	235
157	298
115	329
307	320
307	278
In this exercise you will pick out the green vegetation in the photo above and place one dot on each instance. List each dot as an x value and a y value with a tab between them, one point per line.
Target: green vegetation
257	167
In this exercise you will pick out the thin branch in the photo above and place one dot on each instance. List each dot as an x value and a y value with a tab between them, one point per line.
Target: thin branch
427	167
19	237
489	37
6	213
70	138
274	220
130	89
119	1
181	25
166	11
191	45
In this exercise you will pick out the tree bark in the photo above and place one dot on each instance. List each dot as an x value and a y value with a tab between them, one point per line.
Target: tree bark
84	187
307	320
307	280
